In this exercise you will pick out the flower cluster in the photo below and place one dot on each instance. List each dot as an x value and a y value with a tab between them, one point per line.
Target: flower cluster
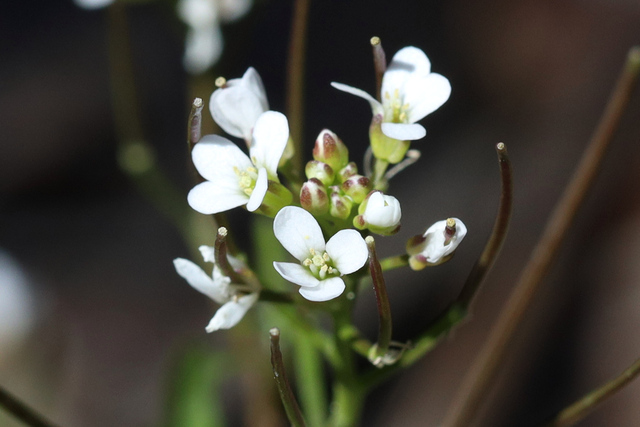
335	200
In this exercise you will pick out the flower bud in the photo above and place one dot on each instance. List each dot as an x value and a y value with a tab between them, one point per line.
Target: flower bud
383	147
437	245
331	150
357	186
321	171
314	197
277	197
379	213
340	204
347	171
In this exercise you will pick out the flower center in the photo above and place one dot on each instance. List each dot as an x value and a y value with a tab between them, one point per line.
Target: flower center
246	179
320	265
396	110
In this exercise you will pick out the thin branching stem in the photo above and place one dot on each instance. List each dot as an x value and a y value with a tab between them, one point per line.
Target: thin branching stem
498	234
483	372
582	407
295	83
291	406
21	411
457	311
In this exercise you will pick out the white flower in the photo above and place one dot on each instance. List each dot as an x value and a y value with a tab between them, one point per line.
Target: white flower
409	92
382	211
204	39
237	106
321	265
436	244
219	288
232	178
92	4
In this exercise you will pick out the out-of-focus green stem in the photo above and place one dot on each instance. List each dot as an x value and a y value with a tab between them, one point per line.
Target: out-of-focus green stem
582	407
21	411
393	262
311	387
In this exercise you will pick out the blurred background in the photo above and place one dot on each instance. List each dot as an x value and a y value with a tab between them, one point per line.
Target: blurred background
94	321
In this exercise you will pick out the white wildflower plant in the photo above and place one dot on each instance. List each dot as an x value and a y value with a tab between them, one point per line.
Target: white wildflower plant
324	213
410	91
321	264
234	179
218	287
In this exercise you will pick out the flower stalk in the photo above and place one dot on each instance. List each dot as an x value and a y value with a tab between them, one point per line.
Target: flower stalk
381	348
291	406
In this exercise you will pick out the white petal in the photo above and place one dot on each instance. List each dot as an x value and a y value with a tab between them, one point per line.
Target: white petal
236	108
208	253
298	231
252	81
407	62
259	191
200	281
326	290
216	157
425	94
434	247
376	107
270	136
347	250
203	47
210	198
296	273
382	210
403	131
231	313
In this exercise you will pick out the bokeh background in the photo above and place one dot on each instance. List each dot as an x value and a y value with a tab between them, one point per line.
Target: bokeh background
93	318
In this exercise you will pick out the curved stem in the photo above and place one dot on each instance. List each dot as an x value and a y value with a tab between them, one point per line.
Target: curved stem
21	411
582	407
483	372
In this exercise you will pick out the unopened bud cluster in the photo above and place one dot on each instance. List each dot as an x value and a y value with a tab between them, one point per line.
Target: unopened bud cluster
334	188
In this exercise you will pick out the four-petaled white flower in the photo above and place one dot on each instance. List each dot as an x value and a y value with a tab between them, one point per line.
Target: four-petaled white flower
232	178
436	244
409	92
219	288
321	265
382	211
237	105
203	44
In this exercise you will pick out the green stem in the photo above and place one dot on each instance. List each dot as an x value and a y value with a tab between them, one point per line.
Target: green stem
379	170
582	407
394	262
348	393
310	378
21	411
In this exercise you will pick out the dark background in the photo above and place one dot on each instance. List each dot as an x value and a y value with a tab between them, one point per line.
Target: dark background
112	315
